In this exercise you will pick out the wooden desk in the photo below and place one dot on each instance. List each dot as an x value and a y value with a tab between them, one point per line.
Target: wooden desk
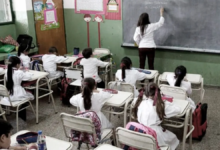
52	143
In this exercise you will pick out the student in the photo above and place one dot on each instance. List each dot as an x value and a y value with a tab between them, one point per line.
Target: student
50	62
14	77
5	137
151	111
92	99
144	38
90	67
23	51
2	70
129	75
179	80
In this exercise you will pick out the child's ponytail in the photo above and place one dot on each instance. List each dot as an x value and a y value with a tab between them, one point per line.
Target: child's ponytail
138	102
23	48
13	61
180	73
125	64
88	86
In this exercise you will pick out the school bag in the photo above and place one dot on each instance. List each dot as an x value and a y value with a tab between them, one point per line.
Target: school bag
200	121
67	91
26	39
82	137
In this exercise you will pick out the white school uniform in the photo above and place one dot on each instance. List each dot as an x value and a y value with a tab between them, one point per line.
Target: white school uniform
98	100
131	77
50	62
186	85
147	116
90	68
147	40
2	70
19	92
25	60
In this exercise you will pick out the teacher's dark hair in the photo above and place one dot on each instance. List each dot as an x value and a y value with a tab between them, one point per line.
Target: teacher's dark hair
180	73
143	21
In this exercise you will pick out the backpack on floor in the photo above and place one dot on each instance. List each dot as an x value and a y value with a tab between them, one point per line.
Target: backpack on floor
67	91
200	121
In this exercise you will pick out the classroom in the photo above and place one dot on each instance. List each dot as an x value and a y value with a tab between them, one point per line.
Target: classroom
109	74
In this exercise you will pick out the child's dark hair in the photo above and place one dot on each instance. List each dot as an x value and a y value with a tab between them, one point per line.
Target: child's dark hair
87	53
151	90
13	61
88	86
23	48
53	50
143	21
6	127
180	73
126	63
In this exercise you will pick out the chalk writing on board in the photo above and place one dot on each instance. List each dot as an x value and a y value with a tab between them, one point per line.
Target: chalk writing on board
90	5
152	4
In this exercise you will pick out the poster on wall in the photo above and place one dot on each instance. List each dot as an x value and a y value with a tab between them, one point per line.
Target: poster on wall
50	17
113	9
39	10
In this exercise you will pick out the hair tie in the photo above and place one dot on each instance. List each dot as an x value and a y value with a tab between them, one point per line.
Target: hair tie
122	65
155	97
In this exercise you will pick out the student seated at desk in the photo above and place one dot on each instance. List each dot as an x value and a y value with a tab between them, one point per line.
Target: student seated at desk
23	51
5	137
14	77
179	80
90	67
151	111
129	75
50	62
92	99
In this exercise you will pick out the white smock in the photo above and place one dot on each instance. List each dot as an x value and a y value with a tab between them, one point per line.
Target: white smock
131	77
98	100
50	62
147	116
19	92
25	60
186	85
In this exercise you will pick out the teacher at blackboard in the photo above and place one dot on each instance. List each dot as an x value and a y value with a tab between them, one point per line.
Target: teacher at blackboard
144	38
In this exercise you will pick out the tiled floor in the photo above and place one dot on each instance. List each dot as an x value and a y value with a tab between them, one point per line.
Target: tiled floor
50	122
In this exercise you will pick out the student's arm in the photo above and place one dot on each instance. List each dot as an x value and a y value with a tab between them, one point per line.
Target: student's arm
137	36
104	96
170	79
100	63
25	76
74	100
59	59
171	109
140	76
189	88
155	26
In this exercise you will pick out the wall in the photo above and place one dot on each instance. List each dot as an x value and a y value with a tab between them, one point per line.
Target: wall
205	64
7	30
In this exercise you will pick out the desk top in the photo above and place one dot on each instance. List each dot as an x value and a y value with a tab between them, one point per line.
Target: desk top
3	56
100	56
37	74
52	143
119	99
70	60
193	78
107	147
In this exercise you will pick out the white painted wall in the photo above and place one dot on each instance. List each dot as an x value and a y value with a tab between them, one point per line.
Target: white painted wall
69	4
19	5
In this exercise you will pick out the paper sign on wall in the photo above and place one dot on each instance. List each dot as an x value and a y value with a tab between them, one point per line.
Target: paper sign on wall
38	10
113	9
50	16
112	6
89	6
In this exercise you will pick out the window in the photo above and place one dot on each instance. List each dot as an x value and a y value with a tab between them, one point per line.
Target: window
5	11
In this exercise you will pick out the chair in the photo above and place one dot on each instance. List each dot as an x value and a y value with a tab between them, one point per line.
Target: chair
83	125
14	104
175	92
74	74
136	140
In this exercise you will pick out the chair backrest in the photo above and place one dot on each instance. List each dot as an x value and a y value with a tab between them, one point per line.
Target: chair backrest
41	67
73	73
135	139
4	92
175	92
102	50
77	123
121	86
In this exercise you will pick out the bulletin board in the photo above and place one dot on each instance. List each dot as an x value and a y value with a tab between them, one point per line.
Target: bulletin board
89	7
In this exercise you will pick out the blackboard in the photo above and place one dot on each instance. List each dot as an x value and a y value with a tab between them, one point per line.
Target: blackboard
189	24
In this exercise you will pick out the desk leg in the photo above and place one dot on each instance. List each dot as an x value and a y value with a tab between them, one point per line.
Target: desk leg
51	96
37	100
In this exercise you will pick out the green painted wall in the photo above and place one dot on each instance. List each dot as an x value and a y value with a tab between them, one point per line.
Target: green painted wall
7	30
205	64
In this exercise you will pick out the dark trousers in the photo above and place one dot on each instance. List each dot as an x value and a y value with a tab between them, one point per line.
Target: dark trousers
101	85
149	53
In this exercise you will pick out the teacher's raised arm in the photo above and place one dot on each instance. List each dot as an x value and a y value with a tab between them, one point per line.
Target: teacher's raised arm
144	38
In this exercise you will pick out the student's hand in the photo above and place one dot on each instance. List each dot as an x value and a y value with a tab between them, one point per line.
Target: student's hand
161	11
